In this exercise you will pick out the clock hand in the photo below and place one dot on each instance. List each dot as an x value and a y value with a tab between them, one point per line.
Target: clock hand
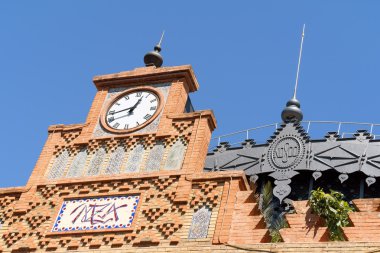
134	107
129	108
121	110
121	117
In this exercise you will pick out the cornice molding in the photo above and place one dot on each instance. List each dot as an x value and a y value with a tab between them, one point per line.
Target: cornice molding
148	75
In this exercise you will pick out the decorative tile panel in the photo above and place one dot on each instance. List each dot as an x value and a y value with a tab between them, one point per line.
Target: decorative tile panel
96	162
77	166
115	162
96	213
175	156
59	165
199	224
155	157
135	159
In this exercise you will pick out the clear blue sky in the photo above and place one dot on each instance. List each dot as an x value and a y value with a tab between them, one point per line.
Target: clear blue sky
244	54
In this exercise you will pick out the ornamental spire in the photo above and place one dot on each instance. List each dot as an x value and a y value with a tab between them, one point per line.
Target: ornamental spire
154	58
292	111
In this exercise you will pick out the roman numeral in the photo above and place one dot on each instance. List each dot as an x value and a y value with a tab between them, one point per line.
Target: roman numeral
126	126
137	123
153	100
153	108
138	94
116	125
126	97
147	116
110	119
111	112
117	104
148	95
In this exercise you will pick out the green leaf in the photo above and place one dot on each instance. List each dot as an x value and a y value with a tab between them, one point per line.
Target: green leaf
333	209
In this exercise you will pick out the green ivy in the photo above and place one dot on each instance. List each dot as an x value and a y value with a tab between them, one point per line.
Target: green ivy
333	209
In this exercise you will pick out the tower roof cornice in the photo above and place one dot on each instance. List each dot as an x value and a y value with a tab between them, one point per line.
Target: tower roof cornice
149	75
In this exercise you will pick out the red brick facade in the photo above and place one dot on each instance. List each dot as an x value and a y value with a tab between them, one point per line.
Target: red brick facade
169	197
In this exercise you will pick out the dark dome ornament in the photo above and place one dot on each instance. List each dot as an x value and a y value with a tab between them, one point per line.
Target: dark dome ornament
154	58
292	111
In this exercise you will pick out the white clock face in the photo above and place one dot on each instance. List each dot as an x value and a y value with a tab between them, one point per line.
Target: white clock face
132	110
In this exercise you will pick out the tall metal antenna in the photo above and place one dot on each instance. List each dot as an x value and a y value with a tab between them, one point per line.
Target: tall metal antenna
299	62
162	36
292	111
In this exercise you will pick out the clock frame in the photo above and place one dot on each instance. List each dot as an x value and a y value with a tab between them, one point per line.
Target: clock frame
103	115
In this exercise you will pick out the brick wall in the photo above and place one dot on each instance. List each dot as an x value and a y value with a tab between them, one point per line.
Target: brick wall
169	199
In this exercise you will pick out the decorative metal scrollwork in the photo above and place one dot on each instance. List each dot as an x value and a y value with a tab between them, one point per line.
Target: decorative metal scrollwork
290	151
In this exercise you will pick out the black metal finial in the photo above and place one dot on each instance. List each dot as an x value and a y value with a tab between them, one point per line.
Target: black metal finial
292	111
154	58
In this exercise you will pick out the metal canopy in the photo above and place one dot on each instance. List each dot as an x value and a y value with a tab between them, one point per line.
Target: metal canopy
290	151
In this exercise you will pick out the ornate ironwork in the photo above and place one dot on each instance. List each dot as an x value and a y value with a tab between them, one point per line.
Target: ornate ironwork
290	151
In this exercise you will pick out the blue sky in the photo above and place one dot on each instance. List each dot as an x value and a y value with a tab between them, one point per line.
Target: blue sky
244	54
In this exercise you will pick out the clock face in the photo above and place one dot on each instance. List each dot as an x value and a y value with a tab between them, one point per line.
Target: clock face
132	110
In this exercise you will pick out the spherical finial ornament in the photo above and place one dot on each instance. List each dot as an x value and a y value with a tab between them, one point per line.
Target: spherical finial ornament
292	111
154	58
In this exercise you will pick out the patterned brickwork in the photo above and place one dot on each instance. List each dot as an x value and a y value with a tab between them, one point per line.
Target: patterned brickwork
204	195
6	211
7	203
158	219
69	136
183	128
6	206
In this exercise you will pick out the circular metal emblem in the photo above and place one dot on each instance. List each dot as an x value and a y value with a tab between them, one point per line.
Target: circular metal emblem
286	153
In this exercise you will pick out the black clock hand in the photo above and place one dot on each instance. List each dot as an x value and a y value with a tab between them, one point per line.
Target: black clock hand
120	117
134	107
121	110
129	108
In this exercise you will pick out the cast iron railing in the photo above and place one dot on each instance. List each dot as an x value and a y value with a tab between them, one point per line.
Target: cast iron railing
315	129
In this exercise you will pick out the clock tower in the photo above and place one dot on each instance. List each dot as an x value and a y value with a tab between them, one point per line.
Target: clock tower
130	177
140	121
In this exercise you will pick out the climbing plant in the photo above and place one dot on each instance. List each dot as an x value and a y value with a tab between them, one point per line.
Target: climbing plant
272	211
333	209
